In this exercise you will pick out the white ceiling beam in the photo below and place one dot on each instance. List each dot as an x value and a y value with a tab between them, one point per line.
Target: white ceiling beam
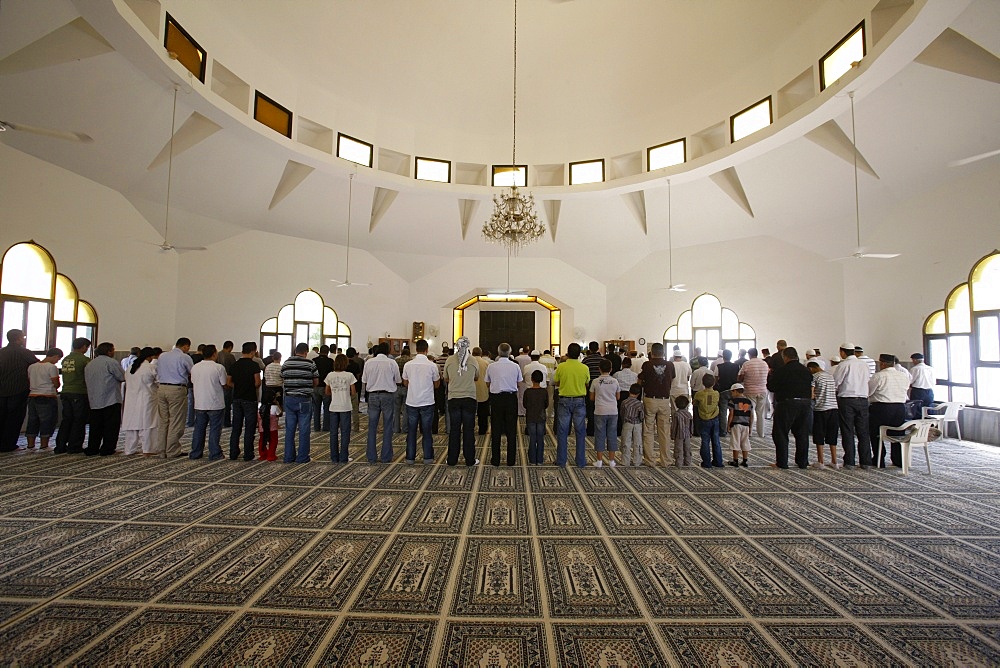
76	40
294	174
382	199
195	130
552	207
831	137
636	203
729	182
467	210
956	53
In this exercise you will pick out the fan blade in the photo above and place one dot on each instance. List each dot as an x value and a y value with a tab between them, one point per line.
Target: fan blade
880	256
47	132
351	284
188	248
974	158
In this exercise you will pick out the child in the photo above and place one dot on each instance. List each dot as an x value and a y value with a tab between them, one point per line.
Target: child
535	402
740	423
340	388
706	402
680	431
604	392
632	415
269	431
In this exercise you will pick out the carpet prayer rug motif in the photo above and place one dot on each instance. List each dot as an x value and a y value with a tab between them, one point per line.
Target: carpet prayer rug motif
55	633
583	580
11	488
600	480
309	476
549	479
493	644
356	476
812	517
831	644
208	498
672	584
981	565
923	510
624	515
453	478
500	514
375	511
437	512
757	580
748	517
23	541
411	576
506	479
260	639
686	517
697	479
255	508
143	577
648	479
936	645
585	645
323	578
134	505
794	480
253	473
562	515
497	579
82	501
710	645
155	638
240	570
384	642
8	610
314	510
860	593
406	477
881	522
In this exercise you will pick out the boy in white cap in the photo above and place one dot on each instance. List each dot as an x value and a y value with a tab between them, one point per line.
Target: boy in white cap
740	422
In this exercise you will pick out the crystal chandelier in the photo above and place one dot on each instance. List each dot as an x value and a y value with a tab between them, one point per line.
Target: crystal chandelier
514	222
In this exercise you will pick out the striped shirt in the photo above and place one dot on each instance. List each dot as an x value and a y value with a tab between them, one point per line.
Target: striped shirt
297	374
593	363
824	391
753	375
633	412
626	378
272	375
889	386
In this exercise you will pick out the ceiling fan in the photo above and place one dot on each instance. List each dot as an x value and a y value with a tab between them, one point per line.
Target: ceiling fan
8	126
347	282
673	287
860	253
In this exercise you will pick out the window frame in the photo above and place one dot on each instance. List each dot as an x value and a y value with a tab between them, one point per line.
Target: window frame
732	119
864	52
604	174
371	149
416	168
649	153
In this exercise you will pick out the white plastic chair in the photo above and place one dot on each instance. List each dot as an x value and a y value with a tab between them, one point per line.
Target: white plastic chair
949	413
917	435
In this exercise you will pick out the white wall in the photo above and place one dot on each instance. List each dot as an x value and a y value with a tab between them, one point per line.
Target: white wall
780	290
228	291
94	234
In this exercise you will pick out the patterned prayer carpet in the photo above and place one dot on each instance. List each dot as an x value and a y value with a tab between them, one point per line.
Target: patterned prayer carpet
143	561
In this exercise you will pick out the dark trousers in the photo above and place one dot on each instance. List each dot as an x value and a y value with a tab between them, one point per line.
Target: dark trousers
504	423
924	396
724	412
245	424
462	430
826	427
76	414
227	412
794	415
853	415
321	409
105	425
440	407
590	413
42	414
12	411
483	413
889	415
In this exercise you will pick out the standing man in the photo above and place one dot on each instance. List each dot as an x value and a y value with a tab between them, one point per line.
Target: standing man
859	352
299	378
209	378
43	402
173	370
523	359
753	375
792	386
461	373
440	392
380	377
726	372
592	360
421	378
355	365
244	377
402	358
572	378
887	397
104	391
132	354
681	385
75	406
534	365
482	390
851	376
14	388
825	423
922	381
550	367
320	400
227	359
657	379
272	386
502	378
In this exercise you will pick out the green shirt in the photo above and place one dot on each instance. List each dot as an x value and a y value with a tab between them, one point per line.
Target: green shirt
461	385
707	402
73	381
572	377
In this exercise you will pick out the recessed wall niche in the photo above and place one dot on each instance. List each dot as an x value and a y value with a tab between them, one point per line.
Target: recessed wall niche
230	87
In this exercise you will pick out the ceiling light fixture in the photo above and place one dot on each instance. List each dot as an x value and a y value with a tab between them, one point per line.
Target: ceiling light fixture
514	222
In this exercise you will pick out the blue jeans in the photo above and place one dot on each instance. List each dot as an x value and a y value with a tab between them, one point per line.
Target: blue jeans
213	420
425	414
711	447
298	411
381	404
42	412
245	424
575	409
340	435
536	442
606	433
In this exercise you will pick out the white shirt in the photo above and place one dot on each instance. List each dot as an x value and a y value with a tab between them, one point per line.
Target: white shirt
888	386
872	364
922	377
420	374
380	374
127	362
697	375
340	383
550	363
503	375
536	366
820	361
682	378
40	377
852	377
523	361
208	377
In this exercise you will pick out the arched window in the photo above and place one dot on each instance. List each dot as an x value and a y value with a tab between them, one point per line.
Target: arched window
962	340
710	326
306	320
43	303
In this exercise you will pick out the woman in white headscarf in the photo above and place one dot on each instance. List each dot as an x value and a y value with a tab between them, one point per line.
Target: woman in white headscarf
461	373
140	416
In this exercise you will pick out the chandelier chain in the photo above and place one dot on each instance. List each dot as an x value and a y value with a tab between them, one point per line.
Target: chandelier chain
513	150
